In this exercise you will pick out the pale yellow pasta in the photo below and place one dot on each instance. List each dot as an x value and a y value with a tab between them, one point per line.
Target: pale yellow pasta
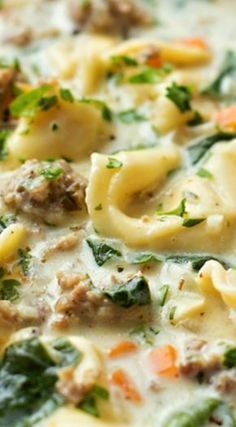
112	189
80	129
80	58
11	239
68	416
213	279
176	53
185	305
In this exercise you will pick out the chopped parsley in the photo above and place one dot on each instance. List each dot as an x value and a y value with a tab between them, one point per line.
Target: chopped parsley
50	172
101	105
179	211
191	222
196	120
150	75
24	262
144	334
6	220
163	294
102	252
114	163
9	290
66	95
204	173
197	261
98	207
180	95
123	60
27	104
130	116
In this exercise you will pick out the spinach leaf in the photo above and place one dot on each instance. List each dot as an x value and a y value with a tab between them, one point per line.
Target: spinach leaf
27	381
89	404
197	261
180	95
134	292
9	289
101	251
142	258
198	150
68	354
194	416
227	70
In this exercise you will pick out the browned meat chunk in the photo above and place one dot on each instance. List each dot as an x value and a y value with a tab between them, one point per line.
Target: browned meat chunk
89	304
45	190
109	16
8	78
198	361
225	381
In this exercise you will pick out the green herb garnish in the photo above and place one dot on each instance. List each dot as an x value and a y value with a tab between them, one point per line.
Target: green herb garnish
9	290
24	262
198	150
179	211
101	251
180	95
114	163
66	95
130	116
27	104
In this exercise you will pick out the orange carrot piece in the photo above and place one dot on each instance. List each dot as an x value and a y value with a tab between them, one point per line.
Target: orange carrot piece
122	380
163	361
155	60
122	348
194	42
226	118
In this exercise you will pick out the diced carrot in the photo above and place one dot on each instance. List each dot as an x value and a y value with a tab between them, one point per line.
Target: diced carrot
122	380
194	42
155	60
163	361
226	118
122	348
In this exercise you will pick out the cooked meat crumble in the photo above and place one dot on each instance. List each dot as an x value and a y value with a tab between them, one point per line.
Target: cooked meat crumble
45	190
111	16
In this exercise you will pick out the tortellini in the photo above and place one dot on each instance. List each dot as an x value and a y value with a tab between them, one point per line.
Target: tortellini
174	52
213	279
211	200
80	59
11	239
111	188
68	416
80	128
186	305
